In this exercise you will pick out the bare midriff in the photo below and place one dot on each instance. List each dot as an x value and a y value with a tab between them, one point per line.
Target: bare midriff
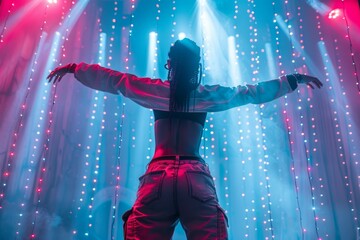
177	137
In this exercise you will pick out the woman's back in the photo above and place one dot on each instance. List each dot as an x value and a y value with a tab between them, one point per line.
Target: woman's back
178	133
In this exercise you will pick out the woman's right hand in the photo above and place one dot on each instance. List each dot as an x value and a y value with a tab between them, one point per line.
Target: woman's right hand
58	73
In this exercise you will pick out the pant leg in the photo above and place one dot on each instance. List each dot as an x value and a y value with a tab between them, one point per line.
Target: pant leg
199	211
154	215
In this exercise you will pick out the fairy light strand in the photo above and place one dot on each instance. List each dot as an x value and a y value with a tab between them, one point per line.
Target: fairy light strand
173	8
118	162
352	154
287	122
120	127
99	117
338	119
351	47
45	150
12	5
342	120
302	128
19	123
313	143
310	142
204	60
95	103
259	127
340	147
225	154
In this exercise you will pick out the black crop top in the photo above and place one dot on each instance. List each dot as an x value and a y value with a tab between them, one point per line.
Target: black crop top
198	117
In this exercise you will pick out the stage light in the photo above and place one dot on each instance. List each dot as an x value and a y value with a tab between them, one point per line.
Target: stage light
335	13
202	2
52	1
152	65
181	36
234	70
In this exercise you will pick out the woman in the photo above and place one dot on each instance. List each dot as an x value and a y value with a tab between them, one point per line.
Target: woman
177	185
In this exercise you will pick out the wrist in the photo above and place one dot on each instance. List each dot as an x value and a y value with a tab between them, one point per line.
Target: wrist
292	80
72	67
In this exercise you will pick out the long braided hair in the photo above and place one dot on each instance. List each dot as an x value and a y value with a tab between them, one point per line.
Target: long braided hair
183	73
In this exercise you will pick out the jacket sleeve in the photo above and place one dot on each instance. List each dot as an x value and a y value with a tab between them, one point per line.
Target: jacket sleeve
155	93
147	92
218	98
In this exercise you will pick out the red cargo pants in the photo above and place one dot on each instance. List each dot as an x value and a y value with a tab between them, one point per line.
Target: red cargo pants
171	191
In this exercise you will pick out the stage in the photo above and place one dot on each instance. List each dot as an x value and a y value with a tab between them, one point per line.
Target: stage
71	156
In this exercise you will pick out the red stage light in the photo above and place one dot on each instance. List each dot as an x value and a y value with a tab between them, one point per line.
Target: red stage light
335	13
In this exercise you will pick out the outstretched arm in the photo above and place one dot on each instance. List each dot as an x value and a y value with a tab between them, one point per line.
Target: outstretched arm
147	92
155	94
218	98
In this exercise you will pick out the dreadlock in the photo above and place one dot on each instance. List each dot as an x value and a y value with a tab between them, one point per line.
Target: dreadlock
183	73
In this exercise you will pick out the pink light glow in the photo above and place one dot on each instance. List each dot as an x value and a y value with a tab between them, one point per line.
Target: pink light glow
335	13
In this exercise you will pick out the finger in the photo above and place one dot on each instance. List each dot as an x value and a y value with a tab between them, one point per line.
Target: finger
56	79
320	83
317	83
50	75
60	77
310	85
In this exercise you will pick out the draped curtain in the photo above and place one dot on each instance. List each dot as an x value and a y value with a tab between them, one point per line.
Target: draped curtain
70	156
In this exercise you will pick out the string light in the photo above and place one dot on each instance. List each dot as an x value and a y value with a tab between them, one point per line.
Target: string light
43	156
99	119
23	111
9	11
119	112
342	122
39	172
343	125
119	126
352	153
249	155
257	127
287	120
352	54
205	139
303	137
173	8
153	71
311	143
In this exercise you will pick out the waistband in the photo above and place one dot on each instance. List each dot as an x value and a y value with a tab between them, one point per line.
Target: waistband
178	158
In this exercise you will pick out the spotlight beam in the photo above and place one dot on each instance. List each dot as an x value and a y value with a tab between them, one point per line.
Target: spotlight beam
318	6
270	61
152	65
235	75
312	66
74	15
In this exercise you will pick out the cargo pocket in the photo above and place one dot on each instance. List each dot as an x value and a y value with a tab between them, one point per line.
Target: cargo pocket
150	186
222	224
201	186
